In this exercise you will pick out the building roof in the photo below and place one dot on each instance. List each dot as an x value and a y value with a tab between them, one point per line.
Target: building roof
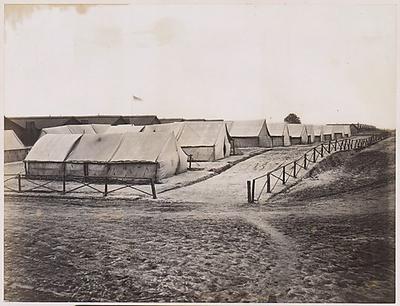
201	133
276	129
327	130
173	127
123	128
309	129
245	128
53	147
11	141
295	130
317	130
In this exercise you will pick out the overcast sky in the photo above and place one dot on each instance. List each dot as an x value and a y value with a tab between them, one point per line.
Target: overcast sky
326	63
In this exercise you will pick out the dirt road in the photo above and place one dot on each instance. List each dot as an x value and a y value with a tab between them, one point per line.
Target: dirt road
335	245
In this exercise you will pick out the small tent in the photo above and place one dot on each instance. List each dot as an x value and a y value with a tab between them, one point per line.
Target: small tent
249	133
327	133
48	154
205	140
317	133
11	141
279	134
123	128
297	133
310	133
337	131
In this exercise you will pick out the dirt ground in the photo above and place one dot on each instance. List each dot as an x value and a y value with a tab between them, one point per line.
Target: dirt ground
329	238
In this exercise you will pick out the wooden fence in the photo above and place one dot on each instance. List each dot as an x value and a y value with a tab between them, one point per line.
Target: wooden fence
283	173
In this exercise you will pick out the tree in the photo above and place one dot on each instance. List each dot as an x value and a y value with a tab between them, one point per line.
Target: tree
292	118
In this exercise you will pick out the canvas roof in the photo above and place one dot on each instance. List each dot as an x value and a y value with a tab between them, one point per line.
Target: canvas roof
11	141
53	147
295	130
246	128
326	130
81	129
309	129
317	130
142	147
63	129
276	129
174	127
100	128
201	133
95	148
124	128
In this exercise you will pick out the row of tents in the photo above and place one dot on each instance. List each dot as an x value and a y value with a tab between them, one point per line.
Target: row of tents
157	151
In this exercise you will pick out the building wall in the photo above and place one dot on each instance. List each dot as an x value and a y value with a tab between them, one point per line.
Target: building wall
15	155
295	140
277	141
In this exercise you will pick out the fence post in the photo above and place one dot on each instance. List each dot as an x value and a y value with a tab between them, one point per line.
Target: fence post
329	147
105	187
294	169
63	191
314	157
249	191
335	145
305	161
253	187
268	183
284	175
19	183
322	150
153	189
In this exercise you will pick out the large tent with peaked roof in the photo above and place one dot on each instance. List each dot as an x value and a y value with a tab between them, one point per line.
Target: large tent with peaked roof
116	155
297	133
205	140
249	133
341	130
279	134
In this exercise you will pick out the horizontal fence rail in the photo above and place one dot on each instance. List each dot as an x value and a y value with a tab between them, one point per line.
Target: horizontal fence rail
42	184
285	172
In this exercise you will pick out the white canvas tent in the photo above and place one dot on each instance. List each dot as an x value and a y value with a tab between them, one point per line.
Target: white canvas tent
249	133
279	134
124	128
327	133
48	154
117	155
317	133
205	140
297	133
11	141
310	133
341	130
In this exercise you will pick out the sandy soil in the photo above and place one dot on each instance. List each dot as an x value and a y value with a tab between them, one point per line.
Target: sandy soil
203	243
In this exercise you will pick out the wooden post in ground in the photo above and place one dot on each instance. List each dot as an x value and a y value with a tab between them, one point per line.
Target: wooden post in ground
305	161
284	175
314	157
329	147
153	189
19	183
335	144
105	187
249	191
253	187
268	183
294	169
322	150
